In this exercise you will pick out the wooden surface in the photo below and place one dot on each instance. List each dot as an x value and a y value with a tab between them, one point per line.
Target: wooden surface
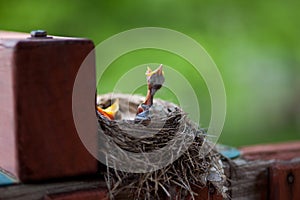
8	149
94	194
281	151
63	189
285	181
255	174
250	179
38	138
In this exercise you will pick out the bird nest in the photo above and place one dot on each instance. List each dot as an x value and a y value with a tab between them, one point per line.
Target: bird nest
174	159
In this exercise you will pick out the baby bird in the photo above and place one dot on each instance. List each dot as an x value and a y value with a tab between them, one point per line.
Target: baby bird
155	80
110	112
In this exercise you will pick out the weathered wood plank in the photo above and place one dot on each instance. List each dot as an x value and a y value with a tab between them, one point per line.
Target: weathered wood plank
281	151
285	181
40	190
95	194
250	179
251	175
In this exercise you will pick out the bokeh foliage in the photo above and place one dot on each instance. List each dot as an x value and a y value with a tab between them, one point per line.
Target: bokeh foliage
255	44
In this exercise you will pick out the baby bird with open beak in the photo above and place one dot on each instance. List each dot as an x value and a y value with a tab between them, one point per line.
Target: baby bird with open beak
155	80
109	112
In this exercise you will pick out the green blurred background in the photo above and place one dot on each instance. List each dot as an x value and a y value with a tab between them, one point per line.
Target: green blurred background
255	45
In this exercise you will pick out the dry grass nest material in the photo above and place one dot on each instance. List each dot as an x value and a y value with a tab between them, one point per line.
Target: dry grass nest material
169	129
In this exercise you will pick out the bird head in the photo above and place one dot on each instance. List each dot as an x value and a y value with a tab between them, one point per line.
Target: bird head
155	78
109	112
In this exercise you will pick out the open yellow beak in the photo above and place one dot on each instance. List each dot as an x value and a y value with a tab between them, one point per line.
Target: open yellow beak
110	112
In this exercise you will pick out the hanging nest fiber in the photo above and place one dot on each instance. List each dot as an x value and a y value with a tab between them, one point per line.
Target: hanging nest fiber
185	162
